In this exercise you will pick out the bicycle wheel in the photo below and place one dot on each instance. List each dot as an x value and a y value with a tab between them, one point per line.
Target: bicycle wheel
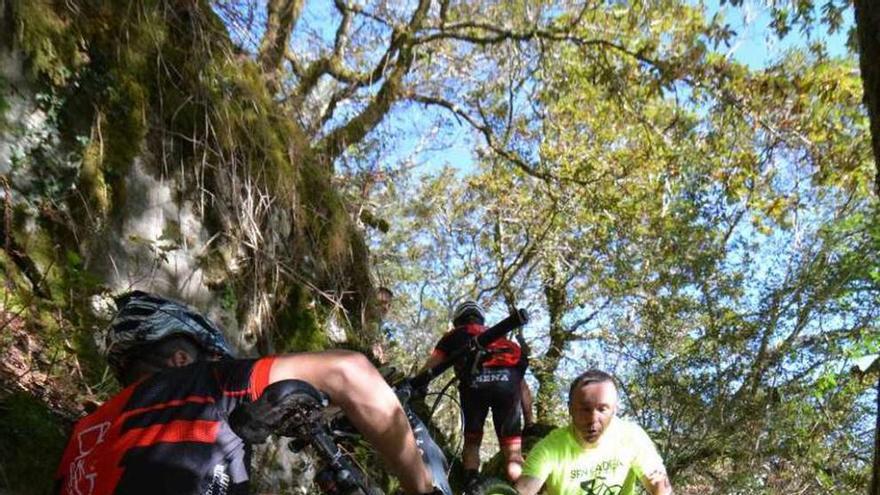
492	486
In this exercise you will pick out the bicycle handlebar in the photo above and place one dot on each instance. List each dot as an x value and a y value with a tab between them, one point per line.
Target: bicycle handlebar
283	407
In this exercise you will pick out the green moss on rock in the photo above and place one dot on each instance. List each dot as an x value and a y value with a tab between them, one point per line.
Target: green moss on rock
4	104
92	181
92	363
163	76
298	328
46	37
16	286
33	441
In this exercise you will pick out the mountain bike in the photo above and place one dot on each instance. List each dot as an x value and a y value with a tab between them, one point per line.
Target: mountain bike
296	410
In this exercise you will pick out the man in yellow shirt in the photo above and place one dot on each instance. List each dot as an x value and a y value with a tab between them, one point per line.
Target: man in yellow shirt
598	453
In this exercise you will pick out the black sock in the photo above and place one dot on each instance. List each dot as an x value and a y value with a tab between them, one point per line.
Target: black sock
470	475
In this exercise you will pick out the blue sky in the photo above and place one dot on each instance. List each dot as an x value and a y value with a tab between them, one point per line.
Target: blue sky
755	45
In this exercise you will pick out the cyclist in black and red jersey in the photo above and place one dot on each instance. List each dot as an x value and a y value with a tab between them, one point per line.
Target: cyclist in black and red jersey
167	432
491	379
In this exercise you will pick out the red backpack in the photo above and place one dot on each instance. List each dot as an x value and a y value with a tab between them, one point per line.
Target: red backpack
503	353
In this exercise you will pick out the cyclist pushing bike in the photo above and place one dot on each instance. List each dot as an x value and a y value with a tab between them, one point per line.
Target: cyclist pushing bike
167	430
489	378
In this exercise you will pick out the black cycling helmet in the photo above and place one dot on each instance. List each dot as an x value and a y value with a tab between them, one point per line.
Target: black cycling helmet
143	319
467	309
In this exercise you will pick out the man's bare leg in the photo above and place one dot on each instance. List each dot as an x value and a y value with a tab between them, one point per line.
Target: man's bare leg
513	455
470	455
352	383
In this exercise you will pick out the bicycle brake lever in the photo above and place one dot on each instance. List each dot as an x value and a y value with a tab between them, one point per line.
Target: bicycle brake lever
281	405
404	391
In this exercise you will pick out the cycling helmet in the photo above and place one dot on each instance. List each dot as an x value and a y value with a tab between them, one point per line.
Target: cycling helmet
143	319
465	309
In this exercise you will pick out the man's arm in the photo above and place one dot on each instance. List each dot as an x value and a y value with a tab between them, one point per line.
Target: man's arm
657	483
353	384
526	485
432	361
649	463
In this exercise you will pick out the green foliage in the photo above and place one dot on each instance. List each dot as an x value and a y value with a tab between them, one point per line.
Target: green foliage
702	229
804	15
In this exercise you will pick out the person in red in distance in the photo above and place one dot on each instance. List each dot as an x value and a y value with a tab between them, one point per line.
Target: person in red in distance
167	432
494	380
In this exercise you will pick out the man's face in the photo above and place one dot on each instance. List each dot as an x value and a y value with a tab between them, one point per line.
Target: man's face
384	297
591	409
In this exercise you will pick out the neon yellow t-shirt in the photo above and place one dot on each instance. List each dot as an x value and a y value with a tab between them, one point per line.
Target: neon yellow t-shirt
611	466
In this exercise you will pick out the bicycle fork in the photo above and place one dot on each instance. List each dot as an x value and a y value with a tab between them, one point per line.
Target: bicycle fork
432	455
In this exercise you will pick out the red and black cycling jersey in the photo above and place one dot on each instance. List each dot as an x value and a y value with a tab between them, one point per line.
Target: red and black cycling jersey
167	434
502	353
491	383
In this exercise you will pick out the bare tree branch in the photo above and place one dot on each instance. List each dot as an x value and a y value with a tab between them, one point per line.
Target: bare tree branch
341	41
490	34
281	19
330	108
489	135
352	132
574	327
521	259
334	65
495	34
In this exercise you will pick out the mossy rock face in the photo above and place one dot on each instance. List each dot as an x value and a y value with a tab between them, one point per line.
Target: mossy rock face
53	49
298	328
156	88
4	104
160	83
33	441
150	94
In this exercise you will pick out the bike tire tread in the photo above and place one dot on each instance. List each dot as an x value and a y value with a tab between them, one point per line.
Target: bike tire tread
492	486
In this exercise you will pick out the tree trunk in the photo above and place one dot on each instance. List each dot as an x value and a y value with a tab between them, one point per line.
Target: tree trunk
875	478
545	373
868	27
281	19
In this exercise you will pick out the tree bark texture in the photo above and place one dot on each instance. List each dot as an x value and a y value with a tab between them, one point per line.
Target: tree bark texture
875	477
868	27
548	391
282	16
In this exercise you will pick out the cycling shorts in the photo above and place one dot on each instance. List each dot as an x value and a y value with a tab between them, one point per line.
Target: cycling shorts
497	389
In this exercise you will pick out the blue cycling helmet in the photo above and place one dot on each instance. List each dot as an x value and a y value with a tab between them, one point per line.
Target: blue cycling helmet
143	319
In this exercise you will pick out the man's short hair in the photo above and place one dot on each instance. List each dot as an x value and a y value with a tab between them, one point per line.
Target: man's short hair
588	377
385	293
152	358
